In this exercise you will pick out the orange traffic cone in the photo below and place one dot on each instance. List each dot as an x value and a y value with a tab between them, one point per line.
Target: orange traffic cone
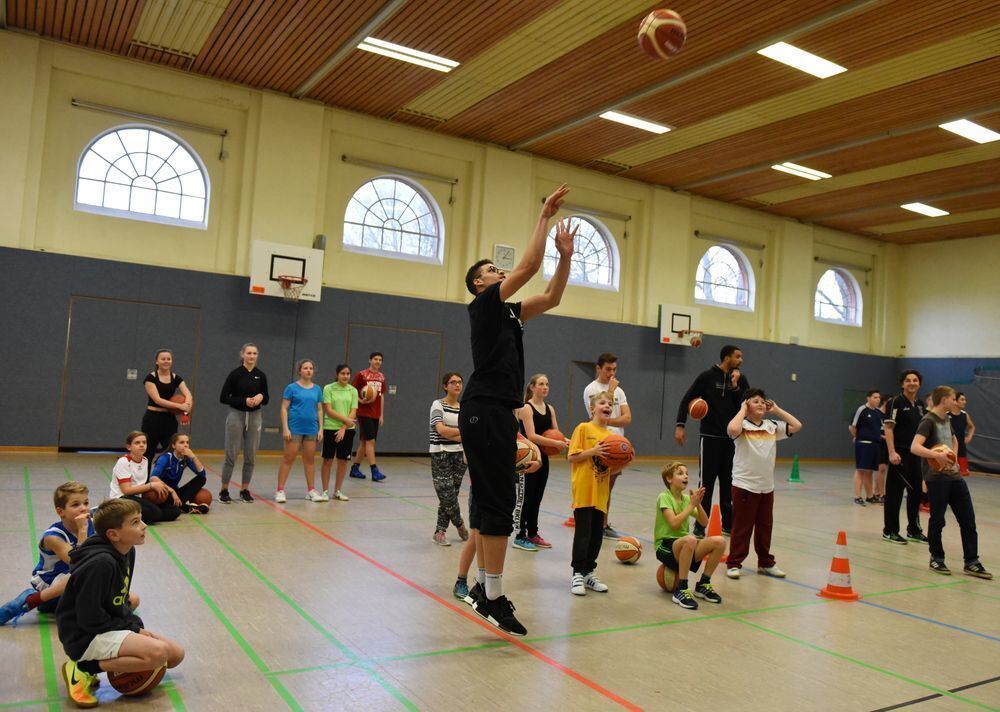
571	522
715	527
838	585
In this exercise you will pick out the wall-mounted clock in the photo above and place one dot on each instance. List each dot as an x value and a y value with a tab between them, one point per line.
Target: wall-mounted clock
503	257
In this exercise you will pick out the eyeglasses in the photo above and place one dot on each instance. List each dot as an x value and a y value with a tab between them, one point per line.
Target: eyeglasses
491	268
454	383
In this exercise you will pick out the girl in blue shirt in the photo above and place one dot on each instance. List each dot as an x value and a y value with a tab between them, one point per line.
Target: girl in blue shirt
301	415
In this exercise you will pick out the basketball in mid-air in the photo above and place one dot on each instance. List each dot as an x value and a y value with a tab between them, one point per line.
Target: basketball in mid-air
662	34
698	408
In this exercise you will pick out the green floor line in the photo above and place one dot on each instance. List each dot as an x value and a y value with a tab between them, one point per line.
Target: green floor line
383	490
378	677
52	702
867	666
918	588
44	627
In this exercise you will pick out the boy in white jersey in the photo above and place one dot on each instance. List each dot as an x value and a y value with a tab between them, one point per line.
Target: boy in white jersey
753	479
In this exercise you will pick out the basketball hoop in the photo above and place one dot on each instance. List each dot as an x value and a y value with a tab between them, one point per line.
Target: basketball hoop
692	337
292	286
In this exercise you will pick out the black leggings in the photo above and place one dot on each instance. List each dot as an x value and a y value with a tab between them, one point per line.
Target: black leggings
187	491
904	477
534	490
588	535
154	513
158	427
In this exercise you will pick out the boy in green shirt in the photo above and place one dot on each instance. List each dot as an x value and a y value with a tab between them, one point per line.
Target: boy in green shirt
675	547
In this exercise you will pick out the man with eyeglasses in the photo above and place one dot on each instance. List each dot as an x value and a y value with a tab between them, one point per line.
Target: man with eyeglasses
487	422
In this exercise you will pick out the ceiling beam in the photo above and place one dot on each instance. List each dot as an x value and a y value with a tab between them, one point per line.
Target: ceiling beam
812	24
340	54
991	188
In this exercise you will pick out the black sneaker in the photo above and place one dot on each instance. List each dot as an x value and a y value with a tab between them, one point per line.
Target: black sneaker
939	567
859	500
224	496
245	496
917	536
707	592
727	532
475	593
872	500
699	531
684	599
500	612
978	570
894	538
611	533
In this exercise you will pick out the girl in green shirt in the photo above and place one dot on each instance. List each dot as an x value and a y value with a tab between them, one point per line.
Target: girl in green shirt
340	409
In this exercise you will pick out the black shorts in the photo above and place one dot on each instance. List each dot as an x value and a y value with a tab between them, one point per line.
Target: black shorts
332	449
474	520
865	455
665	555
368	428
489	434
883	453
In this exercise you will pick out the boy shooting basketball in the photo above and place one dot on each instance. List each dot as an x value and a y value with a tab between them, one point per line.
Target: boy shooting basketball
487	422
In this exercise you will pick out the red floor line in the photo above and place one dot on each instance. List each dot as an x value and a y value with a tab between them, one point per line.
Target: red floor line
447	604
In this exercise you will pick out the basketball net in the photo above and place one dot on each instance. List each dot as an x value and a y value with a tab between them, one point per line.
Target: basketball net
292	287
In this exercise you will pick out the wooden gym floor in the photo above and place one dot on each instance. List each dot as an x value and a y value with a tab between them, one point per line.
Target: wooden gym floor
348	606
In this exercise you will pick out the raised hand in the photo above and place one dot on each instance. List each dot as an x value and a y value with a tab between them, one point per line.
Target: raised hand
565	238
554	202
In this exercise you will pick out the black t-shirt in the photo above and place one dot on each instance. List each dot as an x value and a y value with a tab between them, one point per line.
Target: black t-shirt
906	416
165	390
497	349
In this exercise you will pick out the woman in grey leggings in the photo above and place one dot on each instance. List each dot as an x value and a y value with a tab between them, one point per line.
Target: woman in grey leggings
245	392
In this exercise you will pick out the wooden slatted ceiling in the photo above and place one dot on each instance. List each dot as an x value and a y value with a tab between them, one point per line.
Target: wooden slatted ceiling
612	65
895	214
856	42
947	232
99	24
455	29
960	90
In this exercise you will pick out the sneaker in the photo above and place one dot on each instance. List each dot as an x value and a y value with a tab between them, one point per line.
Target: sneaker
279	497
324	496
500	612
463	533
917	537
939	567
78	685
12	610
894	538
356	472
727	532
224	496
707	591
733	572
539	542
595	584
440	539
610	533
195	508
377	475
978	570
683	598
245	496
699	531
314	496
524	544
340	496
461	590
881	499
576	586
771	571
476	593
872	500
859	500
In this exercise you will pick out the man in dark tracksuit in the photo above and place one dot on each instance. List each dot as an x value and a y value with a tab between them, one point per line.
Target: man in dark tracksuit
722	386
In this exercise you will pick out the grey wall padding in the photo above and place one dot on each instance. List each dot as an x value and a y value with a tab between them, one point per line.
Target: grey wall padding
421	340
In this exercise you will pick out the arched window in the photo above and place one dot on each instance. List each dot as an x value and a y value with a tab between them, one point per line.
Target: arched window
724	278
393	217
595	255
143	173
838	298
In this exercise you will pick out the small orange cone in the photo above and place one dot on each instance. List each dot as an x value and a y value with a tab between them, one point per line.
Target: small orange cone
715	528
838	585
571	522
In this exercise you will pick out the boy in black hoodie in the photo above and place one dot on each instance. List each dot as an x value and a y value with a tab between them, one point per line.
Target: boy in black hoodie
97	626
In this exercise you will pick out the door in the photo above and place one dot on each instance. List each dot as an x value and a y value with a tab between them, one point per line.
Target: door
109	350
581	373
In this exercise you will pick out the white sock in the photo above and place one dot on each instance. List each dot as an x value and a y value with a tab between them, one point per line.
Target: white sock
481	577
494	586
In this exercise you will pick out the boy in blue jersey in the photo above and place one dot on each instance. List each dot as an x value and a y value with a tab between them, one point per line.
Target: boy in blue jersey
51	573
866	431
169	468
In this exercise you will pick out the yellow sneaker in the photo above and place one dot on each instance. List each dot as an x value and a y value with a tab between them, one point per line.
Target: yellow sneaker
79	685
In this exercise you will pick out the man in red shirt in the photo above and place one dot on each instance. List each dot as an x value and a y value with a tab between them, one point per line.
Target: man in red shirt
371	415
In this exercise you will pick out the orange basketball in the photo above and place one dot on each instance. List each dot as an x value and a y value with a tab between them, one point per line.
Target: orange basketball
934	464
553	434
527	453
696	341
620	452
155	496
628	549
368	392
667	578
662	34
134	684
698	408
203	496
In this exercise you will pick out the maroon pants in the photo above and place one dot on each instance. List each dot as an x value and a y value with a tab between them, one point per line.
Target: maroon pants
752	513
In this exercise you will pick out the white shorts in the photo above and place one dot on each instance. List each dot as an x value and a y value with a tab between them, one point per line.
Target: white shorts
39	584
105	646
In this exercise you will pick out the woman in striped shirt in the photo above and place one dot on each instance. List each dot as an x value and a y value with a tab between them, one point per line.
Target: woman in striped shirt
447	459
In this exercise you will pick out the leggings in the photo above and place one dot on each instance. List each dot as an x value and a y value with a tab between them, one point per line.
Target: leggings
154	513
447	473
588	535
159	427
534	490
187	491
242	433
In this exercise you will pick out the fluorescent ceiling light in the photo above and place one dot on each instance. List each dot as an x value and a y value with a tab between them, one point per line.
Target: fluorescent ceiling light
388	49
925	210
801	171
800	59
635	121
972	131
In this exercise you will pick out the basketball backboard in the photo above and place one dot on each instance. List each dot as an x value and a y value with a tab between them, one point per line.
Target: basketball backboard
676	323
270	260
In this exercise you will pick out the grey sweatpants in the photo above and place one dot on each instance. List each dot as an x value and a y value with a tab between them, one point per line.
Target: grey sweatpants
242	433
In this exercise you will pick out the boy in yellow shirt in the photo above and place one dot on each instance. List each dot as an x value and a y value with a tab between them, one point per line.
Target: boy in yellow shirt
591	487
